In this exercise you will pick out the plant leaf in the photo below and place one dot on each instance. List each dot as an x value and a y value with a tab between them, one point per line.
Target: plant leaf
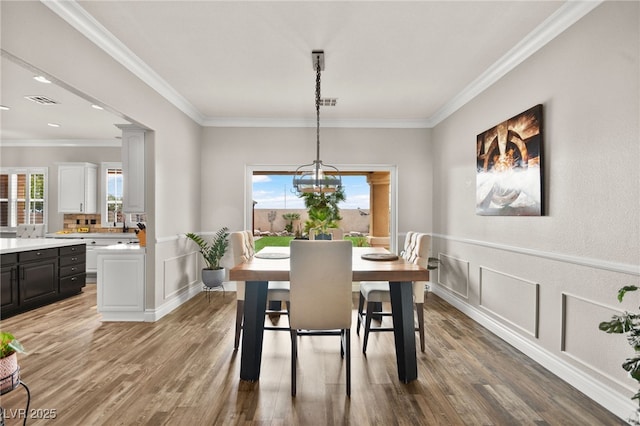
624	290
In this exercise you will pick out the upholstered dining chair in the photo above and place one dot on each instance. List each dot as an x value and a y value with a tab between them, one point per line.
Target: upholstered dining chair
416	250
30	231
243	248
321	302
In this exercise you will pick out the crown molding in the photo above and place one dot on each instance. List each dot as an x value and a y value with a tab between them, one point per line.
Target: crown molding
88	26
57	143
309	122
568	14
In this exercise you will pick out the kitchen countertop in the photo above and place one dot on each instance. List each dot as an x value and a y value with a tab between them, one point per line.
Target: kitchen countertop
121	249
14	245
91	235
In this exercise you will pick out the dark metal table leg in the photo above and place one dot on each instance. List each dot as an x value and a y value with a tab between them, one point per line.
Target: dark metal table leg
255	302
404	329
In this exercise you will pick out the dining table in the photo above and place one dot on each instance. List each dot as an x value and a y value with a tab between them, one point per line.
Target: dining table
272	264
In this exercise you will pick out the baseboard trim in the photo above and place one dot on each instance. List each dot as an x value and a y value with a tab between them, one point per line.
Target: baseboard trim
152	315
619	404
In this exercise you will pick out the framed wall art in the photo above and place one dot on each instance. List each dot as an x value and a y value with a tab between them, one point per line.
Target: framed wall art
509	167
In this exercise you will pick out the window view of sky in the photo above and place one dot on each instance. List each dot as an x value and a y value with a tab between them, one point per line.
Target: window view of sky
275	192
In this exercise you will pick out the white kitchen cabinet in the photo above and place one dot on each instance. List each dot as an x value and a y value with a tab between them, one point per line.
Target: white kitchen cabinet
77	188
93	244
133	169
120	283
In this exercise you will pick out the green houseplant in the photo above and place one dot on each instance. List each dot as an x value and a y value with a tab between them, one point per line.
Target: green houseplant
628	323
323	210
212	253
9	371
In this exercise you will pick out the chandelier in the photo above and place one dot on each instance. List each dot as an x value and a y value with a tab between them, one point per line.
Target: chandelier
317	177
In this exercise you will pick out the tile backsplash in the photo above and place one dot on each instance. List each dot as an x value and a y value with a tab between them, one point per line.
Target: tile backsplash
73	222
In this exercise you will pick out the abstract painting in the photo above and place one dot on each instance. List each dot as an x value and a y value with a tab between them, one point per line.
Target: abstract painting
509	167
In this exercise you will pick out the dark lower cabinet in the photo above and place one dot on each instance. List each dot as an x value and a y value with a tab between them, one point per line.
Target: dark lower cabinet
73	265
35	278
8	284
38	281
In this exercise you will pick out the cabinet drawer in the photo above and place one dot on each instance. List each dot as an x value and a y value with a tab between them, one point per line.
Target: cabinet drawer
8	259
66	271
72	284
78	249
72	259
27	256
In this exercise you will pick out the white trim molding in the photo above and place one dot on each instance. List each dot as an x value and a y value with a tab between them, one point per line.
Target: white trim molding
606	265
568	14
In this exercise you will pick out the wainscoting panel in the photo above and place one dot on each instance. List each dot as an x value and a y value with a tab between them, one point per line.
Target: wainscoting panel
180	272
513	299
581	339
453	274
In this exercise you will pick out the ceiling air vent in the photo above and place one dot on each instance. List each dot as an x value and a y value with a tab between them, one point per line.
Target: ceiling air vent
42	100
328	101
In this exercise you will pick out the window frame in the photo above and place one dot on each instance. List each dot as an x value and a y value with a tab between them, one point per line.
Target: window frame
29	172
129	218
249	170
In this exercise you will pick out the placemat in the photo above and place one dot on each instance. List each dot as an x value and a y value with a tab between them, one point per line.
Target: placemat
272	255
379	256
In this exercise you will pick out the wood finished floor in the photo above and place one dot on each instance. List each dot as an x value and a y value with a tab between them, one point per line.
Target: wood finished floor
182	370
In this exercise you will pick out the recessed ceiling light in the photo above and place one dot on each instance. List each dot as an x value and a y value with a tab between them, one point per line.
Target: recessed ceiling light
41	79
53	125
4	108
96	107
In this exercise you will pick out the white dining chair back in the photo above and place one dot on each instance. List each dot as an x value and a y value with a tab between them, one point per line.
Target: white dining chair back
416	250
242	246
24	230
321	300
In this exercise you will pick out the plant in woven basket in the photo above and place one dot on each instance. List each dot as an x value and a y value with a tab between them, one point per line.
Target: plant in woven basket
9	345
9	371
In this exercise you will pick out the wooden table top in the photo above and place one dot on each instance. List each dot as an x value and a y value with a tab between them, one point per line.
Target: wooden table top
261	269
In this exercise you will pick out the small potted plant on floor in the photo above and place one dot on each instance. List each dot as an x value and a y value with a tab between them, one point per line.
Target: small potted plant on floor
213	273
9	371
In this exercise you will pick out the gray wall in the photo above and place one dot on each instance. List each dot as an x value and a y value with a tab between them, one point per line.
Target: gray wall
227	151
544	283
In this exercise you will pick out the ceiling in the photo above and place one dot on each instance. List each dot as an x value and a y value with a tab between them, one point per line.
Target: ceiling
388	63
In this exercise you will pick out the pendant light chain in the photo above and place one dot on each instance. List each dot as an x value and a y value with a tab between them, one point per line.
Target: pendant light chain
318	109
317	177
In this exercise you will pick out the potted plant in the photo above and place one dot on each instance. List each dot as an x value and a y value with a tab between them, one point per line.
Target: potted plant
213	273
628	323
323	211
9	371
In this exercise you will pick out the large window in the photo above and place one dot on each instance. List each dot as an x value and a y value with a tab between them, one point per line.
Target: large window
386	210
23	194
112	198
